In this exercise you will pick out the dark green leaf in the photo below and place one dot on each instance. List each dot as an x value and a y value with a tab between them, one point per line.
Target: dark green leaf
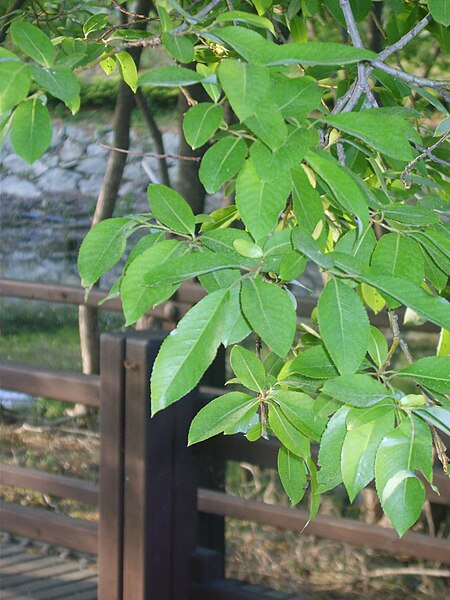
292	471
307	204
270	312
31	130
179	46
357	390
260	203
315	363
31	40
171	209
221	162
298	408
344	325
221	414
432	371
170	77
102	248
378	348
201	122
15	81
365	430
330	449
285	431
248	368
189	350
59	81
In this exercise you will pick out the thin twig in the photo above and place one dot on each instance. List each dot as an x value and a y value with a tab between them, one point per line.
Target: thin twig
405	39
151	154
198	17
427	152
393	321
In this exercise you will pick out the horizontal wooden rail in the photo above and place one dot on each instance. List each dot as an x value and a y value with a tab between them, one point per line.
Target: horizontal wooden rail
46	526
50	383
189	293
48	483
264	454
350	531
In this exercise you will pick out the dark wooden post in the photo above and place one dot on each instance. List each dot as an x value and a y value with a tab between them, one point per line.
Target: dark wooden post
160	485
112	355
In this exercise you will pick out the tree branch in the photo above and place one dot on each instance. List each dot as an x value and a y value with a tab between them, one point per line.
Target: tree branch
409	78
426	152
198	17
405	39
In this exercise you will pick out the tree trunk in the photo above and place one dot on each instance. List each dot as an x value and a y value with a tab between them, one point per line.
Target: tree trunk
188	184
88	315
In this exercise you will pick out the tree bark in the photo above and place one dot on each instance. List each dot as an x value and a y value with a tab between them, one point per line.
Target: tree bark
88	315
188	184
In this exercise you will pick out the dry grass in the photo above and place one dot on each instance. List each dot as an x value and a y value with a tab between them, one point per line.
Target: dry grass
283	560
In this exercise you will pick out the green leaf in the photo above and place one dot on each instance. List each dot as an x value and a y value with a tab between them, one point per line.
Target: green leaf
292	265
33	42
378	347
411	215
360	246
308	209
372	298
292	472
247	248
346	191
260	203
248	368
443	348
357	390
435	309
248	90
201	122
386	133
365	430
185	267
344	326
95	23
188	351
271	314
440	10
437	416
245	86
285	431
329	459
432	371
299	409
398	256
303	241
102	248
171	209
59	81
179	46
170	77
296	96
222	241
137	299
221	414
236	327
221	162
269	165
15	81
314	363
245	17
406	449
128	69
31	129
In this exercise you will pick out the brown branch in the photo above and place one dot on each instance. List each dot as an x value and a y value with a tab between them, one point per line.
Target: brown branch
156	135
150	154
426	152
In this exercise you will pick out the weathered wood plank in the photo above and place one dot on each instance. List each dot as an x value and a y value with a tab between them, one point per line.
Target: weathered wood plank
58	385
60	530
48	483
344	530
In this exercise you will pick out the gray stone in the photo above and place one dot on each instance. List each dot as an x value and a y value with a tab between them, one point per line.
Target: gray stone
59	133
19	188
90	186
134	188
96	150
38	168
92	166
50	160
71	152
79	135
58	180
134	171
16	165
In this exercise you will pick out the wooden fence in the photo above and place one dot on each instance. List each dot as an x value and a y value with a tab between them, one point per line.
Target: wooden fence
162	505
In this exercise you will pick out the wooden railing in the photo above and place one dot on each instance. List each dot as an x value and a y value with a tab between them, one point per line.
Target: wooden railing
161	503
